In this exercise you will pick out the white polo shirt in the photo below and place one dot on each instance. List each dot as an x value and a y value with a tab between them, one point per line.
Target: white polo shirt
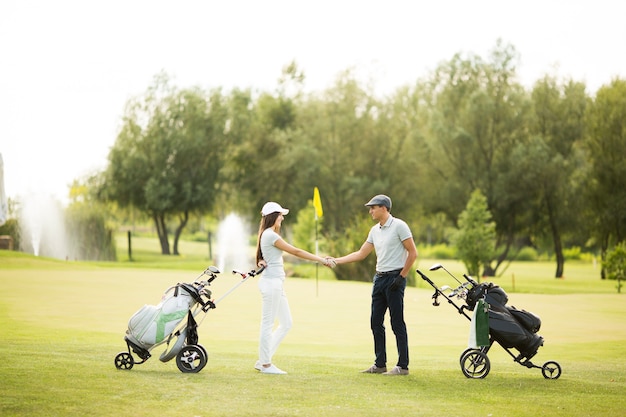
387	240
272	255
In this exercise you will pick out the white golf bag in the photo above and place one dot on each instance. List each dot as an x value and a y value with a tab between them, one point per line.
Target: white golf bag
151	325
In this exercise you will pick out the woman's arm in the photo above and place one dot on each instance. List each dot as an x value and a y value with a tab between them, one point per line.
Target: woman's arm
300	253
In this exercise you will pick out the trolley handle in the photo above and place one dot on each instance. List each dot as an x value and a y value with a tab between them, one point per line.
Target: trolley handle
258	271
470	279
437	292
425	278
253	273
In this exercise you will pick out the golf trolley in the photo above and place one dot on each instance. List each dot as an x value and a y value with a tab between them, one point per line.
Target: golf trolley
508	326
173	322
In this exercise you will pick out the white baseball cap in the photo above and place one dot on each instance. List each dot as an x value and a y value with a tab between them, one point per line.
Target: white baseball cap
272	207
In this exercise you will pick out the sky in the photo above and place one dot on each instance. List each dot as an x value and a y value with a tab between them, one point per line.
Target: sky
68	67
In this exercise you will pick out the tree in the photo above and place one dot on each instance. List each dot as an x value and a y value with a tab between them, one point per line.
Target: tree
606	144
337	125
615	264
468	126
167	158
558	122
479	114
476	236
271	159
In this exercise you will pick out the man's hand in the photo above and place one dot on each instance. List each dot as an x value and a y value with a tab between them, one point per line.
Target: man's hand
330	262
397	283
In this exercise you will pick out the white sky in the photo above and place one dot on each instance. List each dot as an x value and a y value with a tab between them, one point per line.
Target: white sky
67	68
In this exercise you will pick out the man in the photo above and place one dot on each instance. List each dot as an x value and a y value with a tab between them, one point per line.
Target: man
392	240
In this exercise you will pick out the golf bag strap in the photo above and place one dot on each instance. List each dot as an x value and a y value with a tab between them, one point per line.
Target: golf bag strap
192	330
193	292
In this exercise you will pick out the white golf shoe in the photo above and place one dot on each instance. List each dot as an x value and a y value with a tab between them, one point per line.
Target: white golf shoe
272	369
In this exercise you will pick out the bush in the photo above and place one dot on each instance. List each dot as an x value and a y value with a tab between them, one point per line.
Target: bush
615	264
91	238
587	257
348	241
198	236
12	228
527	254
573	253
440	251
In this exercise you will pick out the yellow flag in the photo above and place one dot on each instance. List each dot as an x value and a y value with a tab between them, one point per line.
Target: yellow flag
317	203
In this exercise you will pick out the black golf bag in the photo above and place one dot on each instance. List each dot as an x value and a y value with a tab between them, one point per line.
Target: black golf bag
510	327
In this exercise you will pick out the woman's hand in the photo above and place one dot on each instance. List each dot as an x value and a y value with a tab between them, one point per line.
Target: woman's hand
329	262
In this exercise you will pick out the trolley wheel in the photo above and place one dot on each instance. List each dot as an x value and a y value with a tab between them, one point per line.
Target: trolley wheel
465	352
475	364
206	354
124	360
191	359
551	370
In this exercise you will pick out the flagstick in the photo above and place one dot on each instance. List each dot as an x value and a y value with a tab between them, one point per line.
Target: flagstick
317	265
317	208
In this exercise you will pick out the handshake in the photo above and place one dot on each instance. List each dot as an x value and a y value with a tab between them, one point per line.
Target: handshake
329	262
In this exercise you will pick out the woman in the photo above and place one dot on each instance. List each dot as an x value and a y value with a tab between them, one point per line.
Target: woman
269	253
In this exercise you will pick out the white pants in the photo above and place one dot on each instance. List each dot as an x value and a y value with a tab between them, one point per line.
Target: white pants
275	306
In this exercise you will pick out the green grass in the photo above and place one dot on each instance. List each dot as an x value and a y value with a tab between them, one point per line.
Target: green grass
63	323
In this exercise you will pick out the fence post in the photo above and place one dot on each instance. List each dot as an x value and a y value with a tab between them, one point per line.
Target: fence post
130	250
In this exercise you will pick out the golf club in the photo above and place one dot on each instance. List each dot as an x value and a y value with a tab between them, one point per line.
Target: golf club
245	277
439	266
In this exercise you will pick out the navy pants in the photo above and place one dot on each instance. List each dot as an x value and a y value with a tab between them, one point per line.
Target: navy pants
384	298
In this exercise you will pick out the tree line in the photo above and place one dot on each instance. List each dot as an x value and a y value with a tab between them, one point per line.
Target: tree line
548	160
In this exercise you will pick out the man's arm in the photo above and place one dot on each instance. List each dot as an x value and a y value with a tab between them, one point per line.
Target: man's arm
409	245
358	255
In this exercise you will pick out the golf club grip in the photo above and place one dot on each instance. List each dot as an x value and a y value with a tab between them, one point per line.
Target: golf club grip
425	278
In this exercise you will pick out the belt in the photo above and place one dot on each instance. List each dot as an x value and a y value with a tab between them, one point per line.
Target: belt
395	271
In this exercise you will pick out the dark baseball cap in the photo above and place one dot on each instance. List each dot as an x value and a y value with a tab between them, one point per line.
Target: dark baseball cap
380	200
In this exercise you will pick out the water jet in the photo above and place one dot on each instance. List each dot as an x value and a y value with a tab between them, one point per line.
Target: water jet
42	226
233	250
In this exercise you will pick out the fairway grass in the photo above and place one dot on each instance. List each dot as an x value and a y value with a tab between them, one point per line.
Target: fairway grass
63	324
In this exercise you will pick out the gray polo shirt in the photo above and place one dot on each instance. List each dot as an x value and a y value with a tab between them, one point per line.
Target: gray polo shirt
387	240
